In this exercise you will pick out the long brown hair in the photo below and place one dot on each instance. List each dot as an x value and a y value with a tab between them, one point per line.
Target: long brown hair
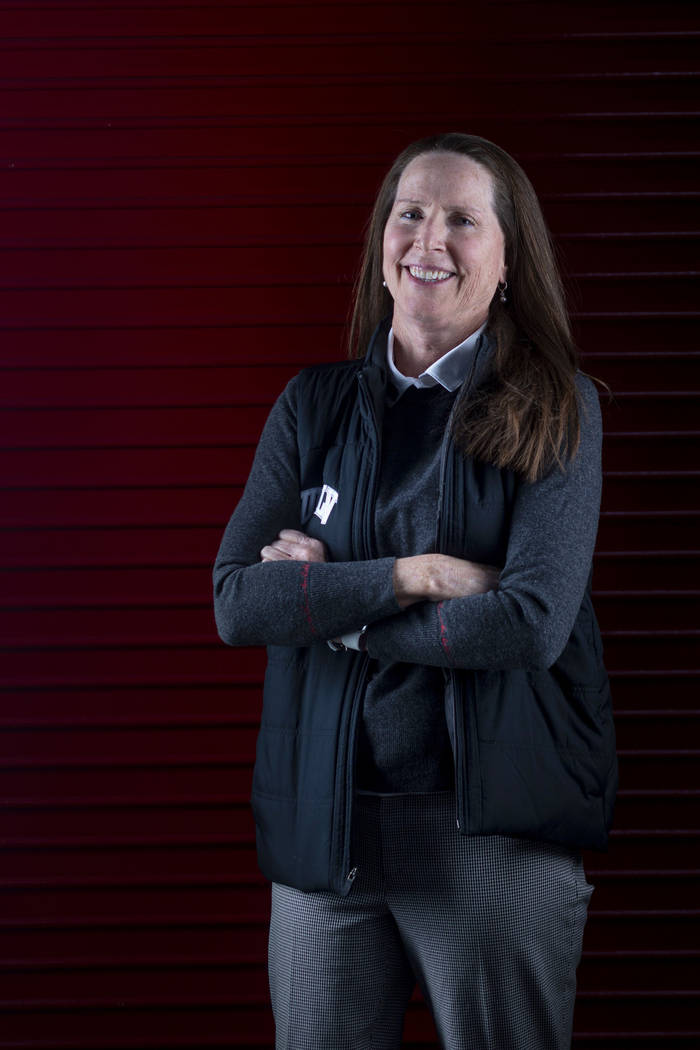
525	415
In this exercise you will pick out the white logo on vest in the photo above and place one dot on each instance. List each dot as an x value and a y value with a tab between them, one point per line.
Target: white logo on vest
326	503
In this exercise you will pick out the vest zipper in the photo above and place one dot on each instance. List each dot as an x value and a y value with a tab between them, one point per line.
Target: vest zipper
344	869
362	534
446	444
440	545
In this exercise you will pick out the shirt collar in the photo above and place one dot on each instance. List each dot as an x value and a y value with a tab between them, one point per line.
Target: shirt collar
449	371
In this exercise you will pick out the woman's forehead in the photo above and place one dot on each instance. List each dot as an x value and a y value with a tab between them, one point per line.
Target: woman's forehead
454	174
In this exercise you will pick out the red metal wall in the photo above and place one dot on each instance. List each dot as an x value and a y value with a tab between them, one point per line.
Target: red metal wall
183	188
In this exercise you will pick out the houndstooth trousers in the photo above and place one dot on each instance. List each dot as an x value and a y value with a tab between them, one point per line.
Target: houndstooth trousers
489	926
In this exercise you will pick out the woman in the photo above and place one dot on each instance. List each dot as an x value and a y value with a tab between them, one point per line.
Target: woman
414	545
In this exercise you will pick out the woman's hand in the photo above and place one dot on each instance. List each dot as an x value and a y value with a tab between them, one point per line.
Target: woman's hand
291	545
436	577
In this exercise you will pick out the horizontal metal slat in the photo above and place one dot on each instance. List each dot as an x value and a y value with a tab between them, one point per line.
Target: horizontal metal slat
64	548
29	469
631	530
24	908
219	18
124	426
127	746
170	23
272	264
347	54
642	611
54	388
84	179
186	785
231	346
287	93
187	306
638	570
229	704
160	667
379	135
126	506
642	812
641	490
88	627
640	690
659	452
73	1028
143	865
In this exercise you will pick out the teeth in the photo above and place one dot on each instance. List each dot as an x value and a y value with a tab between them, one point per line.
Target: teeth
428	275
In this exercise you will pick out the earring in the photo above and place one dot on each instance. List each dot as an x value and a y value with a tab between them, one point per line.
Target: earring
383	284
502	290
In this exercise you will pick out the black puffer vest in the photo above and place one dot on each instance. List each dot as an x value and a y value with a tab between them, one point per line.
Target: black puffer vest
534	750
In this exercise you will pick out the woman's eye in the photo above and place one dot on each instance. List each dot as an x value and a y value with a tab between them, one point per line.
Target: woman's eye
464	220
410	214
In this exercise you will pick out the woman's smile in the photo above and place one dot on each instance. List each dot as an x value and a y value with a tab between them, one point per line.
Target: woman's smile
423	276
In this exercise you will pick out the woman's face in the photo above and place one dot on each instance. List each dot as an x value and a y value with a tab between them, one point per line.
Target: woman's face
444	251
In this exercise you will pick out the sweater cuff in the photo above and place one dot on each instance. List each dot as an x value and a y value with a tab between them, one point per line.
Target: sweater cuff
343	596
416	636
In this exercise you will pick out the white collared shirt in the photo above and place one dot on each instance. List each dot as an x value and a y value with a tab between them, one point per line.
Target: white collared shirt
449	371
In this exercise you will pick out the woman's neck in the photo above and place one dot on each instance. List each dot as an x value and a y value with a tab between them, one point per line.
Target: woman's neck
416	348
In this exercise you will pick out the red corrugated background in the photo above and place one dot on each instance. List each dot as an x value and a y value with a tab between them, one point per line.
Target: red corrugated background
183	189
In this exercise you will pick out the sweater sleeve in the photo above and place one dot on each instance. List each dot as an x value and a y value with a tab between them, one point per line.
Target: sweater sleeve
288	602
525	623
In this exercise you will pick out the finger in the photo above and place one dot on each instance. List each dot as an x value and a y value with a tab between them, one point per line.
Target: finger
300	546
271	553
294	536
291	551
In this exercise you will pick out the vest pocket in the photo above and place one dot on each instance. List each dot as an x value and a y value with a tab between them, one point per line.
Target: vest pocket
541	709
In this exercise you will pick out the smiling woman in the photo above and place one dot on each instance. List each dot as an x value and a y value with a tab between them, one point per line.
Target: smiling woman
414	545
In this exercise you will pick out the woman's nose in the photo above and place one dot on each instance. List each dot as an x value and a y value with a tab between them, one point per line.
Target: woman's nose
431	235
